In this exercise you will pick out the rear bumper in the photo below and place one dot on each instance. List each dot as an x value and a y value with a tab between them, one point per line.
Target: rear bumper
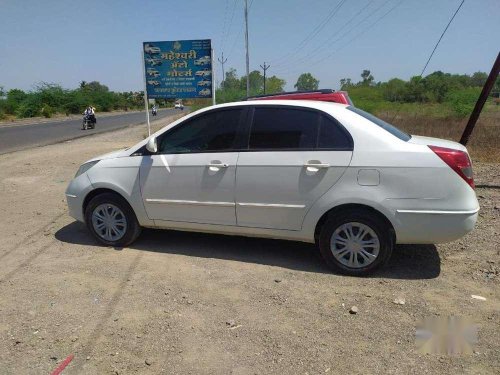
432	226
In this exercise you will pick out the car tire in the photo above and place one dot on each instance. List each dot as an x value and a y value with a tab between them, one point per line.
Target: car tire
362	243
110	211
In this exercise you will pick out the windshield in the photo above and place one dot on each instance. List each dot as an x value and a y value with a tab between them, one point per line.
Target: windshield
384	125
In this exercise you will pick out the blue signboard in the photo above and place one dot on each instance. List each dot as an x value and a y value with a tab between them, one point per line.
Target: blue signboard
178	69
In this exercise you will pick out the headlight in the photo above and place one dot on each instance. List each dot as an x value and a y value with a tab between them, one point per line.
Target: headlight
85	167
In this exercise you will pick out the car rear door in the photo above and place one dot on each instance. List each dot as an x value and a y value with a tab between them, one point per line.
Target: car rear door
293	156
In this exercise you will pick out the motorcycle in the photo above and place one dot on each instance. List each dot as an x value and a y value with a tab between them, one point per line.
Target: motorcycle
154	111
88	122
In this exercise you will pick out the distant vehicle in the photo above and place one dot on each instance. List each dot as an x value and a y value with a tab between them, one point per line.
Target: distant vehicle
205	92
153	82
178	105
202	60
324	95
89	122
204	73
323	173
205	82
153	61
150	49
153	73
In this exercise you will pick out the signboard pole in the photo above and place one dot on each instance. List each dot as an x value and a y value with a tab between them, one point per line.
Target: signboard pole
213	79
146	103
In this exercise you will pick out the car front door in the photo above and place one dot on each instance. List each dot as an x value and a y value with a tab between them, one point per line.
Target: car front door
192	176
294	155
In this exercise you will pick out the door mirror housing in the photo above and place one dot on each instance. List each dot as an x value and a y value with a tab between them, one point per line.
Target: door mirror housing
152	145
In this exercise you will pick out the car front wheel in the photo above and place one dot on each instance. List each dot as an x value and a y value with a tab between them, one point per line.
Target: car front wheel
111	220
355	242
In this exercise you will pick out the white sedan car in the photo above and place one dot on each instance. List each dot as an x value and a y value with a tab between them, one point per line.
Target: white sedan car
316	172
204	60
204	73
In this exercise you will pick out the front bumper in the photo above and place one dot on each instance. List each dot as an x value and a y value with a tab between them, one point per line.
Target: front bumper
76	192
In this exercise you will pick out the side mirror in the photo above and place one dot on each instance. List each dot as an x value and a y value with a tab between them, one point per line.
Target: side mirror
152	145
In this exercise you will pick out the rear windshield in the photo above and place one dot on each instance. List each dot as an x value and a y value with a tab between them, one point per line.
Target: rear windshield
384	125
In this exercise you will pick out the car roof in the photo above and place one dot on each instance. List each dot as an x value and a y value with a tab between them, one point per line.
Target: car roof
324	106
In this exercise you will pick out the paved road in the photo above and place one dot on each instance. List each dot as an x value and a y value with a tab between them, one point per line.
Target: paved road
21	137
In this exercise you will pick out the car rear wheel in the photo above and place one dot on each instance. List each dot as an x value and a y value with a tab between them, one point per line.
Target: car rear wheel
355	242
111	220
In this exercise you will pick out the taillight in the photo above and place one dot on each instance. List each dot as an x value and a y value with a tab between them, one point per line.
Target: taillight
458	160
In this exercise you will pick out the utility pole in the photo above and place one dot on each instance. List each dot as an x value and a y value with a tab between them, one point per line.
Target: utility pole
222	61
246	45
480	101
264	68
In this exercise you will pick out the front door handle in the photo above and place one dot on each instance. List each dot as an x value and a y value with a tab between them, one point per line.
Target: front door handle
216	166
315	167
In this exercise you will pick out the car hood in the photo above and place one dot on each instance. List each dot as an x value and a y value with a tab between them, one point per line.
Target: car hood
429	141
111	155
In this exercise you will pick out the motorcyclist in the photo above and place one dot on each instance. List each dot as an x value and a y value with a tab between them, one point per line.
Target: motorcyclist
154	110
90	114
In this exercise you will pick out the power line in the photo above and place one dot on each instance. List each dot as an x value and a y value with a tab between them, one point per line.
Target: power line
308	54
226	31
315	31
222	34
353	38
239	33
441	37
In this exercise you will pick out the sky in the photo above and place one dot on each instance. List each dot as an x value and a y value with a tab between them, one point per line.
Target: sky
67	41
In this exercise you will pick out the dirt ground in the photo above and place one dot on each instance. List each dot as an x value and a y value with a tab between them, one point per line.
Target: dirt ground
184	303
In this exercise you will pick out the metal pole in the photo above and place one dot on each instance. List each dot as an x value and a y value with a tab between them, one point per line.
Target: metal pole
246	45
264	68
146	104
213	79
222	62
480	101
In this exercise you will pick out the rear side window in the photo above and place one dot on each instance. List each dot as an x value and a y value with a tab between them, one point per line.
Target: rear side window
332	136
211	132
283	129
384	125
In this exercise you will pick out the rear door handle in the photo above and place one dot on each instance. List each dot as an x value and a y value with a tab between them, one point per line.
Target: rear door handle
314	167
214	167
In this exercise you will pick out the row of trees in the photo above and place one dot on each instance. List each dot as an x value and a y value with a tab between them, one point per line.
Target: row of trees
458	92
234	88
433	88
47	98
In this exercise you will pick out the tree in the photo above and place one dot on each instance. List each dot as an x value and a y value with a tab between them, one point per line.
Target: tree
395	90
256	82
306	82
274	85
83	84
345	83
231	81
478	79
367	78
96	87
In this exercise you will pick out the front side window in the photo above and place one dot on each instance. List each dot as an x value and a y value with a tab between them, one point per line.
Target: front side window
211	132
283	129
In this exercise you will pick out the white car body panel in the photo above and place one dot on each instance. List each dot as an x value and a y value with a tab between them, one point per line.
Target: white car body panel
270	194
182	187
275	189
